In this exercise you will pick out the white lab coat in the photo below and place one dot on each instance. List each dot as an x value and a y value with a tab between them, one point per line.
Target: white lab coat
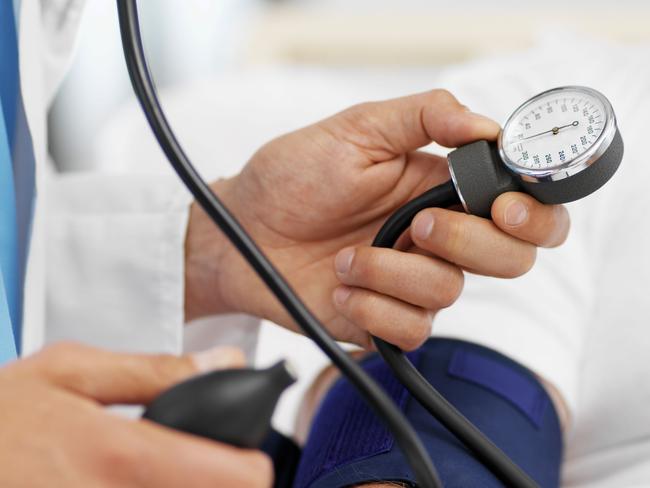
106	263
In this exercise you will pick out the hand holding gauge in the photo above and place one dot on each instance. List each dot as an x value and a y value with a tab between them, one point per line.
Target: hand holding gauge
574	158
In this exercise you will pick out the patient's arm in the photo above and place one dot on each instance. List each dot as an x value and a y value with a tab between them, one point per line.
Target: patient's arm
346	446
314	396
329	374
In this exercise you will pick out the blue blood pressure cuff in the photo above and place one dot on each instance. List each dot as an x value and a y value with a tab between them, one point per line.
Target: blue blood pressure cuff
348	444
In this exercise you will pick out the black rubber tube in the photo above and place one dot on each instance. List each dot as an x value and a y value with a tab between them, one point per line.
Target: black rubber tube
483	448
373	394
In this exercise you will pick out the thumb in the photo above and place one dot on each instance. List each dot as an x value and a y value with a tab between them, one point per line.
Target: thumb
110	377
405	124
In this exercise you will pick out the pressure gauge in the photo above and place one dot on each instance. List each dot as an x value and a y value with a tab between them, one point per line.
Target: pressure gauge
559	146
557	133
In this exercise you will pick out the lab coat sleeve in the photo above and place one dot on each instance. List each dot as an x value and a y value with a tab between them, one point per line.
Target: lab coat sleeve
114	243
106	262
115	260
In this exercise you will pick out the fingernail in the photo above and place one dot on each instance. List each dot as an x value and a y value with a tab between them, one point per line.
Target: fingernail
218	358
516	214
341	294
343	260
423	226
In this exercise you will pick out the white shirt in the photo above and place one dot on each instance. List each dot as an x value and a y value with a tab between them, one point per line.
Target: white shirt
106	264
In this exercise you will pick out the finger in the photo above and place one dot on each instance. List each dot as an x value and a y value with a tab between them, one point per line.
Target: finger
407	123
522	216
397	322
141	453
472	242
110	377
423	281
346	331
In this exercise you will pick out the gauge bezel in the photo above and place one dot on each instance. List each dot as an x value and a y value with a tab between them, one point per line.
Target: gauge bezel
575	165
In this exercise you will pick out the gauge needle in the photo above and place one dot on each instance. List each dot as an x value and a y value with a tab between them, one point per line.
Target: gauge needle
554	130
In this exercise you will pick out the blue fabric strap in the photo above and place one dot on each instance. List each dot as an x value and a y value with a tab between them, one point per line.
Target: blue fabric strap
17	186
502	398
521	390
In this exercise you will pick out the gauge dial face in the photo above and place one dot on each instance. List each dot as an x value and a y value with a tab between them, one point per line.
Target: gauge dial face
555	131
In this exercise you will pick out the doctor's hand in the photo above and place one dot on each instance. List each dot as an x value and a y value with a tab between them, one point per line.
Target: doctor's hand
314	199
54	431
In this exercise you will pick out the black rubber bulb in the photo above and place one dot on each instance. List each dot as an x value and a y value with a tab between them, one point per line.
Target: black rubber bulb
232	406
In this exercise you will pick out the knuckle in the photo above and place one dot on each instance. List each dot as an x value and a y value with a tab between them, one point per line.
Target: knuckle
450	288
417	333
60	351
361	308
441	95
60	363
119	461
261	471
524	261
358	124
559	225
530	256
258	473
360	108
459	236
356	114
167	367
368	342
365	266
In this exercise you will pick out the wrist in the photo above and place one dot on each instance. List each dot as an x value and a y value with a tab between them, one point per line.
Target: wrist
207	254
